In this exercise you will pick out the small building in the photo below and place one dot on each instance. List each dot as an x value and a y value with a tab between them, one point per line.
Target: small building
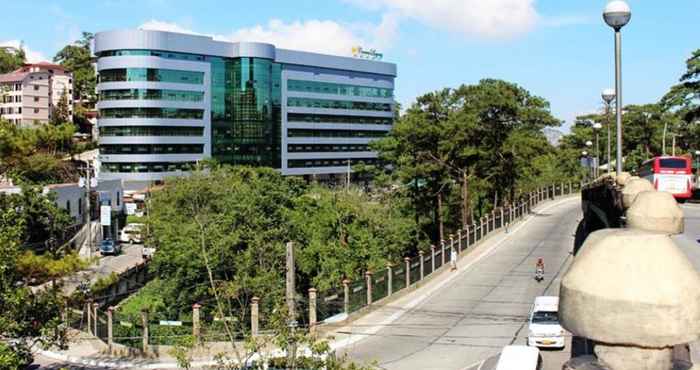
29	95
70	197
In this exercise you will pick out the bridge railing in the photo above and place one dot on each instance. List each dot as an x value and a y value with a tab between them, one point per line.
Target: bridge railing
338	303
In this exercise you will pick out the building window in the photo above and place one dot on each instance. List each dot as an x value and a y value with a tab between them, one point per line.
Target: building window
338	89
18	87
117	199
169	113
151	74
19	110
151	131
36	87
36	99
36	110
337	104
80	206
149	94
68	206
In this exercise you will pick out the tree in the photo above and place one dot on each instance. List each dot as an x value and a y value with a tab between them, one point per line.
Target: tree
685	96
77	58
61	113
11	59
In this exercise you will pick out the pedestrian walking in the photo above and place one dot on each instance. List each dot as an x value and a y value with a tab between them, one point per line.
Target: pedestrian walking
453	258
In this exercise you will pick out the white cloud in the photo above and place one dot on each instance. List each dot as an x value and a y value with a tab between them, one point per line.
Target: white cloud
33	56
321	36
493	19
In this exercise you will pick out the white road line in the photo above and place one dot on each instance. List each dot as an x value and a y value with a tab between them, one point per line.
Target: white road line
354	338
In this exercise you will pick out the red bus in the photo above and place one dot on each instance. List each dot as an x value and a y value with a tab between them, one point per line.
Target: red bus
669	174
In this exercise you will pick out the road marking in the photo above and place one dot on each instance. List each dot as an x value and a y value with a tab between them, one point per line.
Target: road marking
352	339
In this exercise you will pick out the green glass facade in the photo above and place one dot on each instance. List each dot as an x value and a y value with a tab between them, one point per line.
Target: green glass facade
330	118
337	104
151	74
153	53
151	131
338	89
246	111
151	94
167	113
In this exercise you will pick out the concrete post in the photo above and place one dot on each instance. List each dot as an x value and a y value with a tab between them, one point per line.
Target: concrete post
481	229
467	237
502	219
432	259
570	188
368	277
493	219
442	252
408	271
642	311
346	296
312	311
421	255
95	318
561	189
88	310
459	241
255	315
196	331
110	333
144	323
389	279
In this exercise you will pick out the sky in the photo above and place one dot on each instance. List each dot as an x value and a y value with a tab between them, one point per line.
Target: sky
558	49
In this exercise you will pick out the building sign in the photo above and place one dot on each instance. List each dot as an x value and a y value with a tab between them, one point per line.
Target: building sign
372	54
105	215
170	323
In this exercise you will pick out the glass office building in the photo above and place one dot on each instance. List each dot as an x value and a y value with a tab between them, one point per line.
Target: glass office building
169	100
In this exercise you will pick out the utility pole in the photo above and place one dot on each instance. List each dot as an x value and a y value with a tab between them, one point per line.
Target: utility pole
673	148
291	307
87	186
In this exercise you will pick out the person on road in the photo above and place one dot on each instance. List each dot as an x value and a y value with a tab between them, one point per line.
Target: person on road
540	265
453	258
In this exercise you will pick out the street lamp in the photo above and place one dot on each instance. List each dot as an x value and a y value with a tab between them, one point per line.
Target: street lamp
596	127
617	14
588	160
608	95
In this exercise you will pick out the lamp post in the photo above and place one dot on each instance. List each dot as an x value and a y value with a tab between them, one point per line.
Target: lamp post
596	127
584	154
608	95
589	144
617	14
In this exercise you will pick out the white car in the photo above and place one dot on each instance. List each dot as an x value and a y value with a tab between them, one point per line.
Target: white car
544	329
516	357
131	233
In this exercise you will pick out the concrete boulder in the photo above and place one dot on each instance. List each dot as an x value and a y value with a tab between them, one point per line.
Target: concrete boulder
622	178
632	188
655	211
631	288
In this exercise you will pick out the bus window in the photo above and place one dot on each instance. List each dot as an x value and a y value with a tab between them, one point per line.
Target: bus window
673	163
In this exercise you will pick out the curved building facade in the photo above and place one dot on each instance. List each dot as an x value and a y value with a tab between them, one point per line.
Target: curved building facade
168	100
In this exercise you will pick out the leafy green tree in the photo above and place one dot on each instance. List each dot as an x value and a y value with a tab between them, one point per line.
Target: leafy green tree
11	59
62	112
77	59
685	96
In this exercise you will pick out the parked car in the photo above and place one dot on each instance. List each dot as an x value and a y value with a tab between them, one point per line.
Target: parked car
131	233
109	246
544	329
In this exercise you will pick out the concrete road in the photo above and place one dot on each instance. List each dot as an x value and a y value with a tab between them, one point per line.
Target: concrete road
130	255
485	308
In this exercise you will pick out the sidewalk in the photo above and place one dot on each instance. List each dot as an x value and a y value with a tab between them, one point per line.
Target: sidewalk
89	351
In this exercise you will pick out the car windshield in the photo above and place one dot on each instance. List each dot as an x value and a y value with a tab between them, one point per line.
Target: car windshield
545	317
106	243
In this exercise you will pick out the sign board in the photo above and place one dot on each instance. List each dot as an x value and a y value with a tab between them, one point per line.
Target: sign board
359	52
130	208
170	323
105	215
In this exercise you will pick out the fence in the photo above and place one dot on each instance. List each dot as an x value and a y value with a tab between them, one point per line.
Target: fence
140	331
328	306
